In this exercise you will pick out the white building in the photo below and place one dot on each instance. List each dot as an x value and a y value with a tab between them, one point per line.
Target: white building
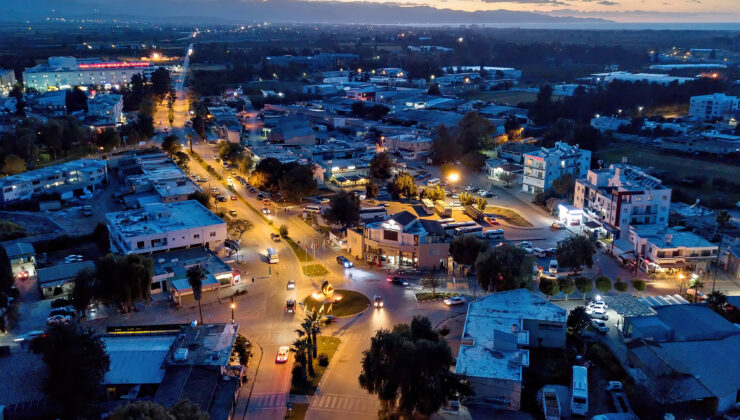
7	80
605	124
709	107
624	76
164	227
410	146
622	195
493	351
67	72
65	179
108	107
660	249
543	166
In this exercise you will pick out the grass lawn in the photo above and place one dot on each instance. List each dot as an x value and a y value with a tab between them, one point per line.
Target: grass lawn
509	216
427	296
327	345
299	251
352	303
315	270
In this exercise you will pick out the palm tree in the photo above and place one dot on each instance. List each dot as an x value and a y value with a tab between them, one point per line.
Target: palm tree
717	300
307	327
696	285
300	347
314	319
196	274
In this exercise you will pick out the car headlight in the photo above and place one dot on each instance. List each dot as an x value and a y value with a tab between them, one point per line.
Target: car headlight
346	265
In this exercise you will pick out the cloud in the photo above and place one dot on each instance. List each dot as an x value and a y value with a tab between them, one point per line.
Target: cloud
548	2
608	3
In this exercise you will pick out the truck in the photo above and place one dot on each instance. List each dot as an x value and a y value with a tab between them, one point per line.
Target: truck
550	403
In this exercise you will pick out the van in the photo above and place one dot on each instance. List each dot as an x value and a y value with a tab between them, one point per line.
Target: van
495	234
553	267
272	256
312	209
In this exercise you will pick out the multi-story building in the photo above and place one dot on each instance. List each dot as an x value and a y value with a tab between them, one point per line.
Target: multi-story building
499	329
150	175
402	240
164	227
7	80
410	146
710	107
66	179
108	108
67	72
622	195
660	249
544	166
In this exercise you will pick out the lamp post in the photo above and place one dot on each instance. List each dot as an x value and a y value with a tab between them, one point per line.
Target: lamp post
233	306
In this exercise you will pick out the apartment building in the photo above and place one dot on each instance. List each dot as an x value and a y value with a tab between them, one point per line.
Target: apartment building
661	249
66	179
409	146
165	226
106	107
614	198
710	107
67	72
543	166
402	240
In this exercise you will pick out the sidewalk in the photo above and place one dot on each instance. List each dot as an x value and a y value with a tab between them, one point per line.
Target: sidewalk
245	392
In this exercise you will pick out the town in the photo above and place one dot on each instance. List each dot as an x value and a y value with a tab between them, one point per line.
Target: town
267	221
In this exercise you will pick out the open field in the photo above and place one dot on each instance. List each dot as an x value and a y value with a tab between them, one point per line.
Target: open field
508	216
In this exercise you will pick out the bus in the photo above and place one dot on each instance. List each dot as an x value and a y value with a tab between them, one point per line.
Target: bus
467	230
432	182
272	256
443	209
450	227
579	391
445	220
312	209
372	213
428	206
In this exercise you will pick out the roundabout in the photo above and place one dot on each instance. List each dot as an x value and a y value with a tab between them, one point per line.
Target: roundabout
339	303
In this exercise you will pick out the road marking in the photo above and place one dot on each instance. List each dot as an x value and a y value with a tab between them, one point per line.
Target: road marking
334	402
267	401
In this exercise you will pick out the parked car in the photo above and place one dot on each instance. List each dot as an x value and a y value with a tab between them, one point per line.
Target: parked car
59	320
399	281
600	326
233	198
344	262
558	225
232	212
65	311
275	237
539	252
282	355
597	313
221	199
455	300
377	301
600	304
23	275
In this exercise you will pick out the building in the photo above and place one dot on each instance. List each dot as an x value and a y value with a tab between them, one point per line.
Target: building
712	107
106	107
660	249
348	172
152	177
78	177
169	363
607	124
409	146
22	258
501	168
681	352
7	80
514	151
293	130
544	166
493	350
165	226
315	62
624	76
170	274
402	240
59	279
67	72
619	196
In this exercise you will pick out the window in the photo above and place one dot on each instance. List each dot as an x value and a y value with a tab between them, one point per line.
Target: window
550	326
196	236
140	244
639	198
213	234
390	235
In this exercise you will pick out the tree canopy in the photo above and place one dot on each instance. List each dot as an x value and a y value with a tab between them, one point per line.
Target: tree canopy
408	368
381	166
503	267
403	185
575	251
465	249
344	209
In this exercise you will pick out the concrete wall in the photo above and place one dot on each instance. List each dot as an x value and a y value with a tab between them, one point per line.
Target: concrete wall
552	334
497	388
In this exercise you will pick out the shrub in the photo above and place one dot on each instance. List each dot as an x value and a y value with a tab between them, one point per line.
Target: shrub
621	286
639	285
284	231
323	360
603	284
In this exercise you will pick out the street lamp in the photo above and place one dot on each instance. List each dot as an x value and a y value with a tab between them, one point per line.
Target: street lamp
233	306
453	177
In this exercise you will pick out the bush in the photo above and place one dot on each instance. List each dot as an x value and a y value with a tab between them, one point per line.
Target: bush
639	285
323	360
603	284
621	286
299	376
284	231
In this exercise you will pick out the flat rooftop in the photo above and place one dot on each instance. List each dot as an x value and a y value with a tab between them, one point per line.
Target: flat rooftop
162	218
136	359
53	170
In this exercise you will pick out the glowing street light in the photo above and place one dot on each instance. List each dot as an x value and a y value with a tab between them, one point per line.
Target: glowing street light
453	177
233	306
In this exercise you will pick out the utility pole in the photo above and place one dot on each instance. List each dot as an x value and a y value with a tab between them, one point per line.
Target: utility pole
716	260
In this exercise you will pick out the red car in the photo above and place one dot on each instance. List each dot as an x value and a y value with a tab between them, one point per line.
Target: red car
493	221
23	275
233	198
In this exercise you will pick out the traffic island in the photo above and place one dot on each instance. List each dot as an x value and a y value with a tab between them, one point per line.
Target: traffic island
305	384
428	297
343	303
315	270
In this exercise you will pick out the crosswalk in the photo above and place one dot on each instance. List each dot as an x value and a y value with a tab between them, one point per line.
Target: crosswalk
267	401
334	402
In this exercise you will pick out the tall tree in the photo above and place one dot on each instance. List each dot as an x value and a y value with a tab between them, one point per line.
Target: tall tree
344	209
161	83
13	165
445	147
584	285
717	301
75	100
465	249
474	131
77	362
381	166
148	410
125	280
566	285
576	251
86	288
371	190
434	193
408	368
549	287
196	274
20	104
503	267
403	185
239	227
171	145
297	182
578	319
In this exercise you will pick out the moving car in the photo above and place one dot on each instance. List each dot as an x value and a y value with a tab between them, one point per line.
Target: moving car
221	199
399	281
28	336
232	212
265	210
58	319
344	262
377	301
233	198
599	326
291	284
23	275
290	306
327	319
275	237
553	267
455	300
282	355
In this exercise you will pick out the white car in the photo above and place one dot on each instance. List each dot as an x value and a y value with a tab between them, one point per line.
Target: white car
597	304
282	355
539	252
28	336
524	244
596	313
600	326
291	284
455	300
265	210
614	386
470	188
